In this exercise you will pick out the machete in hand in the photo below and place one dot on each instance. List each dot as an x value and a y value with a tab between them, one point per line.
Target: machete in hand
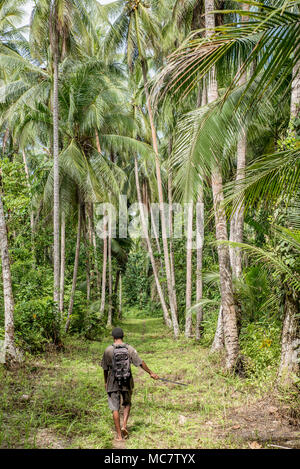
174	382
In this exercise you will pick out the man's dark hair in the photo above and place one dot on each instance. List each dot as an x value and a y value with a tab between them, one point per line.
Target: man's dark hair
117	333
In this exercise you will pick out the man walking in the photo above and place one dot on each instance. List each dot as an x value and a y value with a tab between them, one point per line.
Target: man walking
118	379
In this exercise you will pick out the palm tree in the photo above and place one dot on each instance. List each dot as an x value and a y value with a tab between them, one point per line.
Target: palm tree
137	24
237	217
10	351
56	17
10	13
75	270
274	48
274	260
228	302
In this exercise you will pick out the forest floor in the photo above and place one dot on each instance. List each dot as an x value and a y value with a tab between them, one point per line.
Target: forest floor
58	400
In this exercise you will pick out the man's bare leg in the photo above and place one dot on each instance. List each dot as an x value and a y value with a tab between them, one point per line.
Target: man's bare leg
116	417
125	419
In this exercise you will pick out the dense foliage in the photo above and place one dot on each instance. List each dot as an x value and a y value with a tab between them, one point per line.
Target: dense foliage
99	101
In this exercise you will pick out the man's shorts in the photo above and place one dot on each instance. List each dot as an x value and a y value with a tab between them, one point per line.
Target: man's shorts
114	399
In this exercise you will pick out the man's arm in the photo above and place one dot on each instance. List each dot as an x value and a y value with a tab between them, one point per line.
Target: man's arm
145	367
105	378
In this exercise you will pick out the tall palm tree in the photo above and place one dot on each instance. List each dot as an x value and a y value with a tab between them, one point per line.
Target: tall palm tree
274	48
10	351
228	302
75	270
137	24
51	23
10	14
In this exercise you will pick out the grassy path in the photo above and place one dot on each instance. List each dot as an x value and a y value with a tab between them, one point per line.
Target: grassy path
59	401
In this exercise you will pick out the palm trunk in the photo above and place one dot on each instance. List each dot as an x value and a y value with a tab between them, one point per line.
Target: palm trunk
170	201
97	141
295	94
170	286
290	340
104	267
10	351
94	242
62	263
158	260
87	254
200	240
109	317
227	297
75	270
55	175
150	251
219	343
120	297
188	292
89	245
115	293
5	138
237	219
31	211
199	253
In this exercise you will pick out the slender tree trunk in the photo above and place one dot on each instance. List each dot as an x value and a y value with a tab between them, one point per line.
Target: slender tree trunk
199	253
109	317
219	341
154	227
97	141
90	245
5	138
10	351
158	261
75	270
170	200
290	340
150	251
94	242
31	211
87	254
200	240
56	247
295	93
188	291
170	286
115	292
120	297
171	289
104	267
227	297
62	262
237	218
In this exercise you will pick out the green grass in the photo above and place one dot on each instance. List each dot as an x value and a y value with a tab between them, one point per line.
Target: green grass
67	405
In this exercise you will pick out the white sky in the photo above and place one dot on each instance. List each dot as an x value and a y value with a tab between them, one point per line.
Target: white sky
30	4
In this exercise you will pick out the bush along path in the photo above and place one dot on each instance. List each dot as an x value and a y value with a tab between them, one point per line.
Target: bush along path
59	400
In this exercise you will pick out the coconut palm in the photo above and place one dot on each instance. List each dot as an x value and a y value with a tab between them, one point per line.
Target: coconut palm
137	27
53	23
288	273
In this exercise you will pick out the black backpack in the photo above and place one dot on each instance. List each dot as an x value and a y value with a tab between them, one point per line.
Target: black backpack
121	364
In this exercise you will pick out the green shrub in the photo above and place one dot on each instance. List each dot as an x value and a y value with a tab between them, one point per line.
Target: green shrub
34	323
260	343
